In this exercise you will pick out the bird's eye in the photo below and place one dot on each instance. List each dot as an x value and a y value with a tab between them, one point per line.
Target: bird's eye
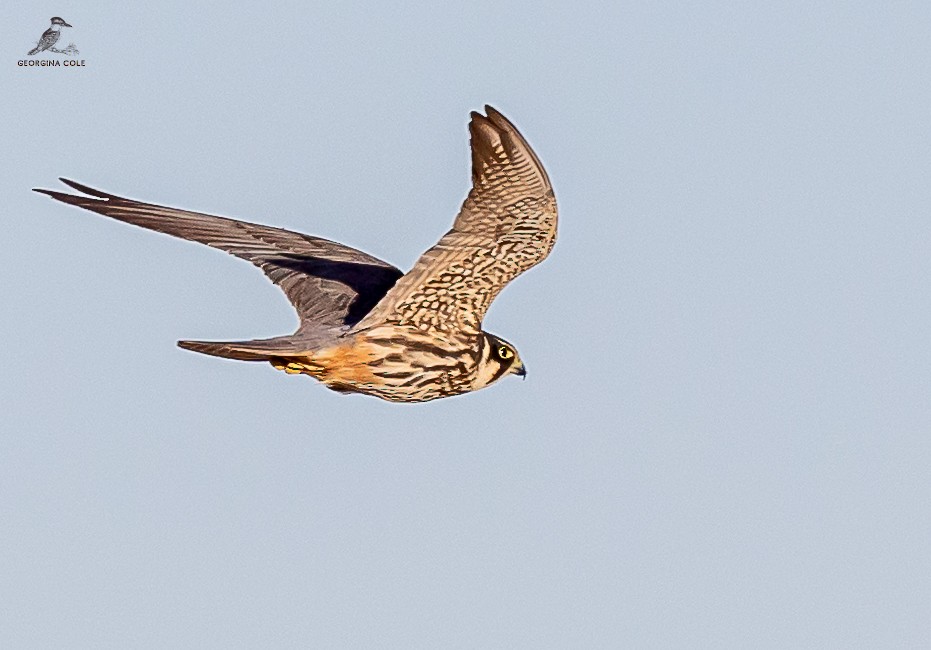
505	352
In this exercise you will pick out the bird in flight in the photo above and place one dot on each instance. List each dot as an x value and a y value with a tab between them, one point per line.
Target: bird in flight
49	36
366	327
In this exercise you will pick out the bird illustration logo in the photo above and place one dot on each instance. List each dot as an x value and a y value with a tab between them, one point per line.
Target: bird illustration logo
50	38
366	327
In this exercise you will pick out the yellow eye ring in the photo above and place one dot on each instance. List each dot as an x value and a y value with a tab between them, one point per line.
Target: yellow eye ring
505	352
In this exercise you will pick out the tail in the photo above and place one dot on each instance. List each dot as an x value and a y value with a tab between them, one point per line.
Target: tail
257	350
33	51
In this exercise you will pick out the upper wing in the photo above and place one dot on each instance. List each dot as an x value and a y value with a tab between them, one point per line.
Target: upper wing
329	284
507	225
48	39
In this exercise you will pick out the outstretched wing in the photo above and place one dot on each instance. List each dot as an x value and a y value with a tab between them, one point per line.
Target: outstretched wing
507	225
329	284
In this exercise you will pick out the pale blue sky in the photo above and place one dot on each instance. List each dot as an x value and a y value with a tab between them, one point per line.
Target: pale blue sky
724	440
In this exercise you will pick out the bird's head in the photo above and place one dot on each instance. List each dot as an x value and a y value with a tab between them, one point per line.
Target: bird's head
60	21
497	358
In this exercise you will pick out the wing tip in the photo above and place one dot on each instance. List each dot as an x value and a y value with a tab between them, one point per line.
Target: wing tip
84	189
90	191
492	112
492	129
494	118
215	349
256	350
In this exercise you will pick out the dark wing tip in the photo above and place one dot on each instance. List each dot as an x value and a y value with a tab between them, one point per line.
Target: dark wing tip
490	111
494	126
72	198
501	123
484	138
494	118
478	118
493	113
90	191
493	130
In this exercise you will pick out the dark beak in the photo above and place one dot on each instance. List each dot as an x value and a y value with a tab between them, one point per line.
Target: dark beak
521	372
67	25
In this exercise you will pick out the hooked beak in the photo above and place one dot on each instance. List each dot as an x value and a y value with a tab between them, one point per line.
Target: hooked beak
521	372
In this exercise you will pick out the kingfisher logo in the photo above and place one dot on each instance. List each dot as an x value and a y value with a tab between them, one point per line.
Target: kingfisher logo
47	45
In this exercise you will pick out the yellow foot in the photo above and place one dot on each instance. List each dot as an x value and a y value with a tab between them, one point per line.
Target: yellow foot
294	368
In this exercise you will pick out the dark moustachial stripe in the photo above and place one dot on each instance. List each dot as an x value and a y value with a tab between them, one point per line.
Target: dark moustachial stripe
502	369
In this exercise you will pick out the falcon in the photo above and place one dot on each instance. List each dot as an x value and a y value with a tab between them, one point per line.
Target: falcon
366	327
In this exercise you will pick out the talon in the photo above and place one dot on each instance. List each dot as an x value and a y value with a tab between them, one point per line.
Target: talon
296	368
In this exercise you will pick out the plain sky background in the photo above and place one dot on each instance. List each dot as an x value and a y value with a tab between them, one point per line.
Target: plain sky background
724	440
